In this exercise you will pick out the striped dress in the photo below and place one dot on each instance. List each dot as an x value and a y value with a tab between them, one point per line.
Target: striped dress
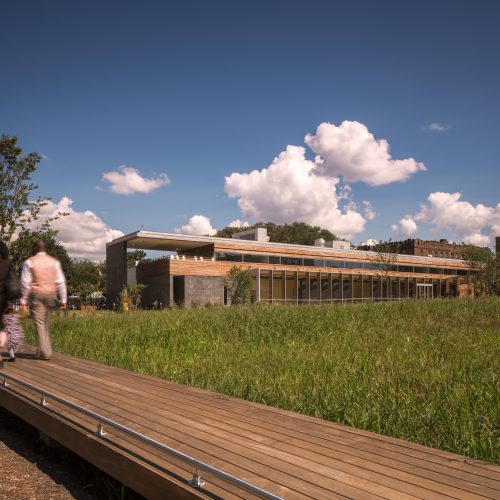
14	330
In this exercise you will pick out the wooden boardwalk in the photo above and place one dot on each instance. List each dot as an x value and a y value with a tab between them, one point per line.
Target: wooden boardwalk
287	454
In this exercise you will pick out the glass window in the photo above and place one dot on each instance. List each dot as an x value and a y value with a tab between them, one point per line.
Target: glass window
353	265
325	287
274	259
346	287
375	266
261	259
405	269
334	263
337	292
436	270
234	257
422	270
290	261
313	287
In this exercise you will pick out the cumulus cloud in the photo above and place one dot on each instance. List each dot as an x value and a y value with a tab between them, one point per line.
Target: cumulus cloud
370	242
127	180
475	224
406	227
368	210
437	127
351	150
83	234
238	223
198	225
289	190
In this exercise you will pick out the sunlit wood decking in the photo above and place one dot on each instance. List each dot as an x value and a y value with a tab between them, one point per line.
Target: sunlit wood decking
287	454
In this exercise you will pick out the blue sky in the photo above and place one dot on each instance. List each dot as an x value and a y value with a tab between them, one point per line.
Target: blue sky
199	91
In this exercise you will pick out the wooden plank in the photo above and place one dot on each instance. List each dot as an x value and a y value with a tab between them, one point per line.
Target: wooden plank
365	462
113	461
241	462
144	453
223	437
395	447
178	419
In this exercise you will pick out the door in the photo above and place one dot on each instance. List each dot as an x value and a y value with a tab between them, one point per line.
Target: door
424	291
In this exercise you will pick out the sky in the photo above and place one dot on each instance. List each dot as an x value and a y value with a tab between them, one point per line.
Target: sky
375	120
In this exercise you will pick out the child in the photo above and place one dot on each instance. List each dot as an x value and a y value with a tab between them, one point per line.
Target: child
14	331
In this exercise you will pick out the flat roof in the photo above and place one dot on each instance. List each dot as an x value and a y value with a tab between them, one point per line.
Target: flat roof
151	240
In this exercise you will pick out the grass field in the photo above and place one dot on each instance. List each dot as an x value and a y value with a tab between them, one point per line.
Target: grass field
421	371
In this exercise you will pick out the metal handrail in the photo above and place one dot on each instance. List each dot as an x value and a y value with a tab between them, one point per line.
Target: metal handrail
196	482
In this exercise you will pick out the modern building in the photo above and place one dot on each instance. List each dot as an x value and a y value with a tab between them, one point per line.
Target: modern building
427	248
283	273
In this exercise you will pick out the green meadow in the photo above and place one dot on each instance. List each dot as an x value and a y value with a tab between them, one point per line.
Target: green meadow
421	371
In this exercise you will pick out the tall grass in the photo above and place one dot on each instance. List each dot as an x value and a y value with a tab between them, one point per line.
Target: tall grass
421	371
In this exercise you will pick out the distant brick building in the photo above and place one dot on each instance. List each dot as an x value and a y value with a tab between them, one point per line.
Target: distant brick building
429	248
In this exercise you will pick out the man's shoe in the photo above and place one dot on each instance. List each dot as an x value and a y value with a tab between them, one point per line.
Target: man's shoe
12	360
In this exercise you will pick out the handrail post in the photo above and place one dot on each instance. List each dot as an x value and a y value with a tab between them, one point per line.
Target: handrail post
196	481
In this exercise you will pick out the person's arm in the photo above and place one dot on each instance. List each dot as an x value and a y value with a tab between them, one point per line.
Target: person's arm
26	280
61	285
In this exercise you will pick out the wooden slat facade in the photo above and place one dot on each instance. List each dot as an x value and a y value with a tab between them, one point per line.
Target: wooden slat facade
290	455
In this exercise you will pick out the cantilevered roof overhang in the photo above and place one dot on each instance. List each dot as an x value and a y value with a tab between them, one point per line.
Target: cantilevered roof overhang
170	242
173	242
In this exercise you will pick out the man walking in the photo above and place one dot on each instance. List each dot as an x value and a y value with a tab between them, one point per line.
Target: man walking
42	280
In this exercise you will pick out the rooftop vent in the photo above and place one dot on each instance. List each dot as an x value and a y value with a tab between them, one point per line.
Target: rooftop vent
338	244
254	234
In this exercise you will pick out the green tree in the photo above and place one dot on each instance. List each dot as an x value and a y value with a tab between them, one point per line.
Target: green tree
298	233
134	256
22	249
16	209
482	263
238	283
85	278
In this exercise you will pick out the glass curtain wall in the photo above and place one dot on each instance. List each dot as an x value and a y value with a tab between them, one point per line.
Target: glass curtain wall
303	287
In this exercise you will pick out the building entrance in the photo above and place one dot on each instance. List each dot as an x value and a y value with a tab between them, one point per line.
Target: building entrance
424	291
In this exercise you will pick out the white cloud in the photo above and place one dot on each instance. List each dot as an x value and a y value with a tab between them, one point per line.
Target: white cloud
437	127
289	190
370	242
197	225
368	210
475	224
351	150
128	181
238	223
83	234
406	227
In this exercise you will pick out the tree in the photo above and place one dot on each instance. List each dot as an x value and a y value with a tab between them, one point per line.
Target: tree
482	263
238	283
22	249
85	278
386	256
134	256
16	210
298	233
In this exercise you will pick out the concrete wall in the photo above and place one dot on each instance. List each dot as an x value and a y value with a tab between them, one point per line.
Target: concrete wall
158	280
157	288
116	271
203	290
